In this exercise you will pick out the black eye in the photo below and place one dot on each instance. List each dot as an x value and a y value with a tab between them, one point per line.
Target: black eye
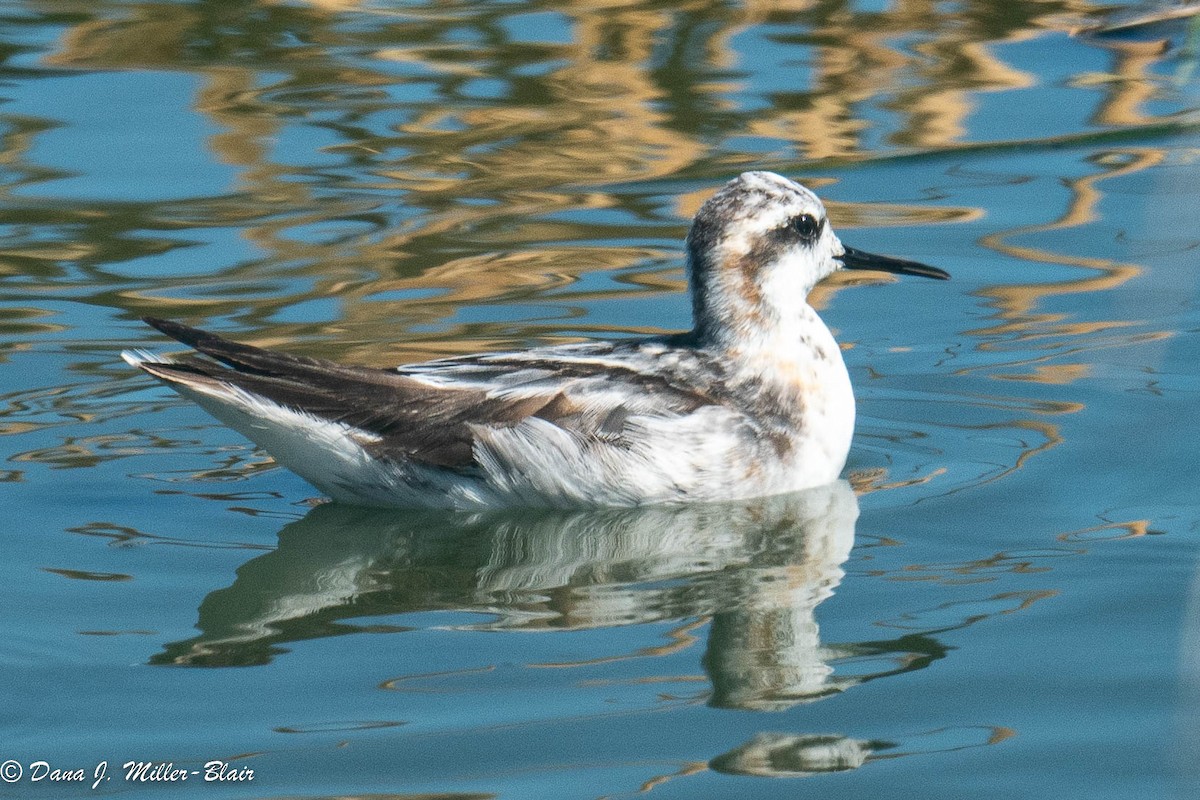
807	227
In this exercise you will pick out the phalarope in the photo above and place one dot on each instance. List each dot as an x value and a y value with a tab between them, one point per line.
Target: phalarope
755	400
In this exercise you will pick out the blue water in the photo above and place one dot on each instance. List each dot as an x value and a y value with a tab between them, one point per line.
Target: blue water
1001	600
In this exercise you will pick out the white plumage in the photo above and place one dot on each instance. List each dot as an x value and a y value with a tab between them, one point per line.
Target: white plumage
755	400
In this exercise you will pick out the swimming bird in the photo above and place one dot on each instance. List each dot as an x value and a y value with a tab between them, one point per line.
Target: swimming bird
755	400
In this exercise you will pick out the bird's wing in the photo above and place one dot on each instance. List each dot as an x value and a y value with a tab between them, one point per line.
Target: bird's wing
431	412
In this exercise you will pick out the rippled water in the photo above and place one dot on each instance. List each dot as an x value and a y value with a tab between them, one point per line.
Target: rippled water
1001	602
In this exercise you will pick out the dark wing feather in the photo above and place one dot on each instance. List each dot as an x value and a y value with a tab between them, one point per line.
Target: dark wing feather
415	420
434	424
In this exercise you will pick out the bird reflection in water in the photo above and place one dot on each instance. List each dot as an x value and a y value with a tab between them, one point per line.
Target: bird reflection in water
756	569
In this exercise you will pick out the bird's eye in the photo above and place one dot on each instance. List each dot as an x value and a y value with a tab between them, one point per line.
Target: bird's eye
807	227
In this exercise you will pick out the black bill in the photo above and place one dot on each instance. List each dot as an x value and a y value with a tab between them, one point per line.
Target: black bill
857	259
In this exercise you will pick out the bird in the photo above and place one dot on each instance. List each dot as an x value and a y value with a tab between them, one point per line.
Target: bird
754	400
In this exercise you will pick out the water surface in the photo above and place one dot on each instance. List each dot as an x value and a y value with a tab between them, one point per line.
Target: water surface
1000	601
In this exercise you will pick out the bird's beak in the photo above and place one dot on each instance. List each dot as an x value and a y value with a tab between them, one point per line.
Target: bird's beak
857	259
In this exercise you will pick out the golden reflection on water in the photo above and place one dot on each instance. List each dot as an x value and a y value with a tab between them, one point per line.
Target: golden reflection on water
601	105
598	107
1110	531
1016	303
1131	82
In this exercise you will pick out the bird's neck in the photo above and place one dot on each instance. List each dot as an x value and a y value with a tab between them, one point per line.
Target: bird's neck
744	317
798	341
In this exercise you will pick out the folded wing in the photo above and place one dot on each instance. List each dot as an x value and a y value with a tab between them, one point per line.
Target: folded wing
433	413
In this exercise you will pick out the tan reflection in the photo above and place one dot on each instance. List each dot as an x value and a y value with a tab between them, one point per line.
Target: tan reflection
1131	83
854	60
687	770
85	575
1028	436
1110	531
151	34
1050	437
1017	303
875	480
242	141
680	639
606	111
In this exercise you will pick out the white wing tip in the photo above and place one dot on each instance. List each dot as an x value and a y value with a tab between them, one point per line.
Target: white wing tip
135	358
